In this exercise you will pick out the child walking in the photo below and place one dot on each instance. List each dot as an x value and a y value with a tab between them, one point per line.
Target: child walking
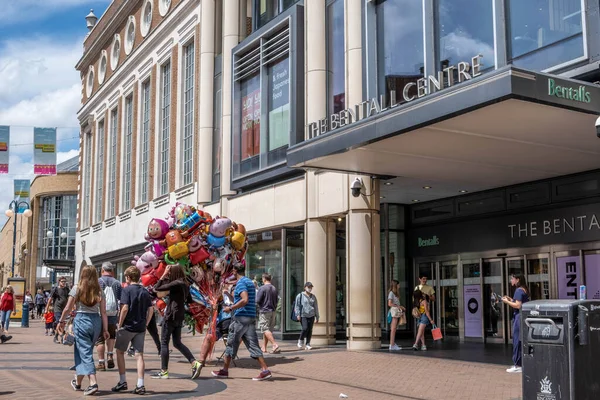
49	319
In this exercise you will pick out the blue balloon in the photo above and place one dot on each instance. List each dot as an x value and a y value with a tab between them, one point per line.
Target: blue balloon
215	241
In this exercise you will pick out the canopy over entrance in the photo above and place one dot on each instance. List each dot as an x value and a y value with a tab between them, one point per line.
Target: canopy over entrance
505	127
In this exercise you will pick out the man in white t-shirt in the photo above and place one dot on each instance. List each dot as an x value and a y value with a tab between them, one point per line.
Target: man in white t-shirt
425	288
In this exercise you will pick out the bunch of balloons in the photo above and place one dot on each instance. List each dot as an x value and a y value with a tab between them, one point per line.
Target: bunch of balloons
205	247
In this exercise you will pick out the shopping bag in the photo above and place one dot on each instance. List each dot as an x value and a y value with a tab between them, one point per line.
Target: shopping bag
389	317
402	320
436	333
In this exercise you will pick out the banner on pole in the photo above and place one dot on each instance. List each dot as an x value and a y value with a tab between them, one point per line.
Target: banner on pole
21	192
4	145
44	151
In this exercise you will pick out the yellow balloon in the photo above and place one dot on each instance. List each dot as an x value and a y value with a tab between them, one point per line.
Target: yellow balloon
237	240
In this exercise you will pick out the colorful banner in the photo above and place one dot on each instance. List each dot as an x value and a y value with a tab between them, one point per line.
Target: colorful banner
4	145
21	191
473	311
568	270
18	285
592	276
44	151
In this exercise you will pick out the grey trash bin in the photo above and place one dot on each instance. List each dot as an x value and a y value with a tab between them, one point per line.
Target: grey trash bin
561	349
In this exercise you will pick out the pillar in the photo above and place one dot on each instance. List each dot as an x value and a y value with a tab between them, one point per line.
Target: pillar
364	275
320	270
231	34
206	89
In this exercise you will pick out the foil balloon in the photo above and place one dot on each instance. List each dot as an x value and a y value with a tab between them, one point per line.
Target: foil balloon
215	241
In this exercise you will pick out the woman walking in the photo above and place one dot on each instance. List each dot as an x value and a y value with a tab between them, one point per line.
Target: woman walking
306	309
421	302
396	311
7	306
90	321
173	320
40	302
521	296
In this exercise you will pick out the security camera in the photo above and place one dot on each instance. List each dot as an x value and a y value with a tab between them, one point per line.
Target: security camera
356	187
598	127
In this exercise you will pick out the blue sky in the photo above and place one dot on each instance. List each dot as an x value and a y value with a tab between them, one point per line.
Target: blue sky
40	43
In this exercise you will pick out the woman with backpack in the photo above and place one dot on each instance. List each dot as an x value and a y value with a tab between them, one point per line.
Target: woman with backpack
521	296
423	317
89	323
173	321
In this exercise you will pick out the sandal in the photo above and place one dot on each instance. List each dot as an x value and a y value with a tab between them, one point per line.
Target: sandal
276	350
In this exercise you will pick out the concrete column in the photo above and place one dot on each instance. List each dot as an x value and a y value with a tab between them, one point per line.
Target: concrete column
354	66
364	275
316	61
320	270
231	32
207	79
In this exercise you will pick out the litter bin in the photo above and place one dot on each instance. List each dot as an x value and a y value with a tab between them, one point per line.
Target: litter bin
25	316
561	349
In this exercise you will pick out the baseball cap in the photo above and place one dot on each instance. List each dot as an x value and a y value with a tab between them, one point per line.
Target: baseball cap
308	284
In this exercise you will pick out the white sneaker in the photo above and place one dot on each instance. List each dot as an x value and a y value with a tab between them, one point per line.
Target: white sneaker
514	370
308	347
423	348
300	345
395	347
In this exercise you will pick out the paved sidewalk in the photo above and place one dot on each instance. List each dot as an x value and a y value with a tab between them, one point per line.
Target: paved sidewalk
31	366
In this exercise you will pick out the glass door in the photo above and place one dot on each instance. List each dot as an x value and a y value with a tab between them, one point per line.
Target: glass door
472	305
493	288
448	298
514	266
538	276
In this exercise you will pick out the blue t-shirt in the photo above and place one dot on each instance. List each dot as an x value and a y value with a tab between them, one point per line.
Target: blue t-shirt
521	296
249	310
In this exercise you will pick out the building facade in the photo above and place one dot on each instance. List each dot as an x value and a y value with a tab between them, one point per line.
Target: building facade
358	141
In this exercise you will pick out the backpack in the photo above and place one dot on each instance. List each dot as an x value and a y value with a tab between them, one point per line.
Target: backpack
415	312
298	302
112	308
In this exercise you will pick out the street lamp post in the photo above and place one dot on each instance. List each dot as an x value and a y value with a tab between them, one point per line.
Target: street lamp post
13	210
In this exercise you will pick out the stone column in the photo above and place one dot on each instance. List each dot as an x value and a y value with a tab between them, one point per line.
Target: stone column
206	89
231	32
364	275
320	270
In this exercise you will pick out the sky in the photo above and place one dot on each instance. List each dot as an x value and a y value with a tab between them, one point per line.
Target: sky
40	43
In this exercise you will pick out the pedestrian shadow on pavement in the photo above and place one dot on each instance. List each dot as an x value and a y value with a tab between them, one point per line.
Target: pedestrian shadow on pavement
204	387
6	393
250	363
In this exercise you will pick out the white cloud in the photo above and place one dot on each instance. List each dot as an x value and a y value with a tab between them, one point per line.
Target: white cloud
66	155
18	11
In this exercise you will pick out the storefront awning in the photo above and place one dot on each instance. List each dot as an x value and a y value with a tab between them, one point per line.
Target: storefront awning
504	127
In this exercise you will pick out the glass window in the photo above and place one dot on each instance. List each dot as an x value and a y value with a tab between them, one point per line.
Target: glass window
165	130
552	29
216	183
279	110
250	125
266	10
127	154
448	298
400	46
99	173
187	150
336	83
264	256
87	184
461	36
538	278
59	214
145	141
112	185
294	272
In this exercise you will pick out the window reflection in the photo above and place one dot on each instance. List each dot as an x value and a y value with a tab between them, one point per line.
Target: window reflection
59	215
400	38
461	36
335	57
537	24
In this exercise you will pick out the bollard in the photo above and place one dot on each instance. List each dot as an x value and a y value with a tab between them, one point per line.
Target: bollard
25	316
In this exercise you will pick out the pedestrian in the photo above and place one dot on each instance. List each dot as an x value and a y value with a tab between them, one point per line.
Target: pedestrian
243	325
49	320
425	288
112	293
57	301
135	315
7	305
89	323
396	311
29	300
173	320
306	308
421	302
40	302
152	330
266	299
222	327
521	296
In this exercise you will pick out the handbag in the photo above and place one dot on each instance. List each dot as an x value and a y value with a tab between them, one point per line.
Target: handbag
69	337
402	319
389	317
293	315
436	333
416	313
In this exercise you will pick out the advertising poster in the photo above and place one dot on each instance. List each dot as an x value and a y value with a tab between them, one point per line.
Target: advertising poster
251	119
592	276
19	288
279	105
569	277
44	151
473	311
4	145
21	191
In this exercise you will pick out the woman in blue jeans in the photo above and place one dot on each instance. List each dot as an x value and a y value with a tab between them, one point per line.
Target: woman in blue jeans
421	301
521	296
89	322
7	306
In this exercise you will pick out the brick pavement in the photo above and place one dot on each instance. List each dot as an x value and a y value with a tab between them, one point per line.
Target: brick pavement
31	366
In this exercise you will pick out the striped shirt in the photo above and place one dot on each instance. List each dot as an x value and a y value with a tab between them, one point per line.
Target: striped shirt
245	285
